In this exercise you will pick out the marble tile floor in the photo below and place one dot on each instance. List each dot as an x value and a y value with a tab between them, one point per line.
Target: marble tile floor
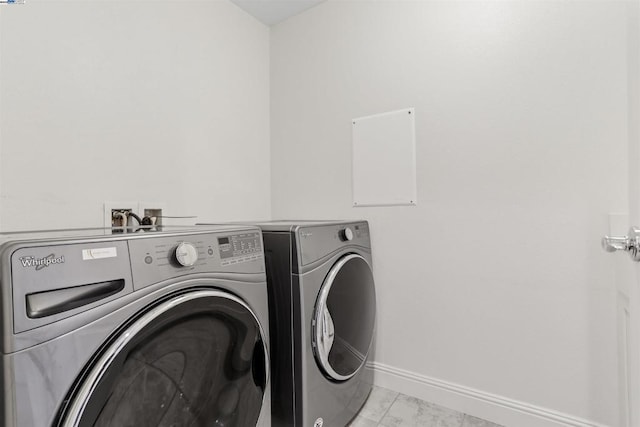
387	408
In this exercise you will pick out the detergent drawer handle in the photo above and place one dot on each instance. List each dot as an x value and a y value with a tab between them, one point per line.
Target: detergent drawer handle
48	303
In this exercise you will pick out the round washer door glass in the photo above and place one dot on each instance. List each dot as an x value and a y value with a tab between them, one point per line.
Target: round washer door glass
344	318
196	359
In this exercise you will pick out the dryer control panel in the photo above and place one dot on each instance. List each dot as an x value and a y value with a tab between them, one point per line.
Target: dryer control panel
316	242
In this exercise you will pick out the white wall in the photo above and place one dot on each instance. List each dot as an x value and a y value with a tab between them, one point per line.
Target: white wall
496	280
164	101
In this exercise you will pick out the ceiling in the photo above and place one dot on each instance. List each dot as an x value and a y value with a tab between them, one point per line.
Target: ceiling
271	12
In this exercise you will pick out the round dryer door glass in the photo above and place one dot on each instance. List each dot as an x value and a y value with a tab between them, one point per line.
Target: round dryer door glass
196	359
344	318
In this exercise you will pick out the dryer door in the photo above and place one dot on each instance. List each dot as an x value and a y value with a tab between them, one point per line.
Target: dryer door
195	359
344	318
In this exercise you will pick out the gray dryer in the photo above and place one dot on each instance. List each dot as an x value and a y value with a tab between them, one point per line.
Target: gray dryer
323	304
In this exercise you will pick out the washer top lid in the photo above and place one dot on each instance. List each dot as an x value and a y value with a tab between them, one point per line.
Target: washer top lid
116	233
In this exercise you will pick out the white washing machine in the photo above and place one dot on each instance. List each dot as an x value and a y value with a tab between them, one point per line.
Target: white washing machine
156	328
323	309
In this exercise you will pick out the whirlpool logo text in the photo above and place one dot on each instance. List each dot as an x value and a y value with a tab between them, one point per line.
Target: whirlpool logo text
40	263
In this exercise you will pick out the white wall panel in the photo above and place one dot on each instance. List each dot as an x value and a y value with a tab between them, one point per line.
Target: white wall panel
384	159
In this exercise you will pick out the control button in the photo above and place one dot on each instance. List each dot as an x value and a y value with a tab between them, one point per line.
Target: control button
210	252
346	234
148	259
186	254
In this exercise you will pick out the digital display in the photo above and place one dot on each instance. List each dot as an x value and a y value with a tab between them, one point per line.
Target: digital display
238	247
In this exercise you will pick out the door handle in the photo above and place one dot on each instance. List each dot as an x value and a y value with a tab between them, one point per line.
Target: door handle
629	243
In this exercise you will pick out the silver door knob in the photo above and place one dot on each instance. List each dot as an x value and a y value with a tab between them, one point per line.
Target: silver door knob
629	243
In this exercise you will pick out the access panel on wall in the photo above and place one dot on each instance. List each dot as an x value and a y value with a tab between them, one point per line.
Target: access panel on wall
384	159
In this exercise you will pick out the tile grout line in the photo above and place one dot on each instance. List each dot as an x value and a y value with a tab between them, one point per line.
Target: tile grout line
385	412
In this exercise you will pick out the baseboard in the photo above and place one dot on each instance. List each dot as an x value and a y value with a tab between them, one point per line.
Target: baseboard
498	409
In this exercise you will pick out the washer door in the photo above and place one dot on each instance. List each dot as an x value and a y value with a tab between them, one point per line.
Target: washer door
196	359
344	318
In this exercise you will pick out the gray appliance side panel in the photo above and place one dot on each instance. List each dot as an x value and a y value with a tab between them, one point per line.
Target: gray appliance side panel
278	249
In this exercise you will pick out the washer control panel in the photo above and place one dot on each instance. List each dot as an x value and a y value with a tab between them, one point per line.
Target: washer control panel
157	259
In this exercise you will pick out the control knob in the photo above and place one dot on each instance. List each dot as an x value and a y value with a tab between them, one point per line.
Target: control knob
186	254
346	234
